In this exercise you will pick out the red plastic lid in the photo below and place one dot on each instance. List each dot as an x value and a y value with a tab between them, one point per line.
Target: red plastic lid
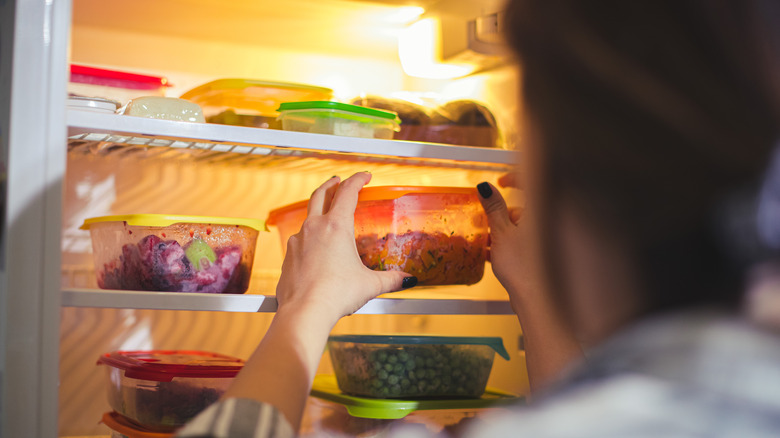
165	365
129	429
142	81
379	193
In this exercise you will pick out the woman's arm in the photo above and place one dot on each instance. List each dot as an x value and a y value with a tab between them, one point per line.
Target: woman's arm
549	342
322	280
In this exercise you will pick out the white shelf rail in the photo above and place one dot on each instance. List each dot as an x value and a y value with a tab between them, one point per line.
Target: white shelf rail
80	297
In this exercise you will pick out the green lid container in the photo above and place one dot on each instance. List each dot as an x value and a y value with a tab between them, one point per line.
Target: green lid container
413	367
335	118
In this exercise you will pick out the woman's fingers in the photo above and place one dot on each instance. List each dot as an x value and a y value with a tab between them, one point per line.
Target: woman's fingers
392	281
515	214
346	198
321	198
495	207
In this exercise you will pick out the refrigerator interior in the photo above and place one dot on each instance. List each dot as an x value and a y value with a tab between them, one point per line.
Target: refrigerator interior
349	46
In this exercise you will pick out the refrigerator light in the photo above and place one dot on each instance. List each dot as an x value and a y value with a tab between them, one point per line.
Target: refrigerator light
419	49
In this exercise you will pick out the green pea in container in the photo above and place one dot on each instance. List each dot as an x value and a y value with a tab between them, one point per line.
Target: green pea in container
413	367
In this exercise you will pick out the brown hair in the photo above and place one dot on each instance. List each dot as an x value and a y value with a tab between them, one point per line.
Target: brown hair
649	114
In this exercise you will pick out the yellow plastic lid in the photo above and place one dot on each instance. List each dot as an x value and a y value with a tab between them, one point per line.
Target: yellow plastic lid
249	95
164	220
379	193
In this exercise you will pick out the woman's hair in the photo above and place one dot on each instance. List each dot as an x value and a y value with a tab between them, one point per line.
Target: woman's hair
650	114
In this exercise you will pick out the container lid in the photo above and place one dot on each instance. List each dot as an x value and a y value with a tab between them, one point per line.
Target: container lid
165	365
378	193
144	81
93	103
118	423
262	97
494	342
326	387
164	220
321	104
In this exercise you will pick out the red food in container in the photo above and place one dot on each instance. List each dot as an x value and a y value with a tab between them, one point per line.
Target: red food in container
438	234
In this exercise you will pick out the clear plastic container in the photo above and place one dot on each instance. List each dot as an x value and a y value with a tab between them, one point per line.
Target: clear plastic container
113	84
122	427
167	253
413	366
161	390
248	102
166	108
336	118
438	234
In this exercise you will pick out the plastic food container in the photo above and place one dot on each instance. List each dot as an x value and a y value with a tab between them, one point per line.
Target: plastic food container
122	427
247	102
438	234
161	390
413	366
336	118
93	104
113	84
166	108
167	253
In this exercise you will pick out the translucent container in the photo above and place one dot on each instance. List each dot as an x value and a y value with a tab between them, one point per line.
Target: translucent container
413	366
161	390
336	118
248	102
167	253
93	104
165	108
113	84
438	234
122	427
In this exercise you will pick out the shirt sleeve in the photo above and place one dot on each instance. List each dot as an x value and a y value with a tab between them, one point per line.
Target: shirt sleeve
238	418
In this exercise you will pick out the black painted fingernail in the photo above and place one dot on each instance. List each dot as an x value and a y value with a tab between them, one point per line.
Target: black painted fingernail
484	190
334	176
409	282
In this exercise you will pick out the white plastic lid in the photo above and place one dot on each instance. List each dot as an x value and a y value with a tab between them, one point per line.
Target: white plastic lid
93	104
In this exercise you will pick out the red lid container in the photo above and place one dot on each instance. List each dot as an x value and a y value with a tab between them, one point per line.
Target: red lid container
163	389
114	84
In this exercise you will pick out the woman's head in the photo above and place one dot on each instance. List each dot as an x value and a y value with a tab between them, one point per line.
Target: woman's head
647	115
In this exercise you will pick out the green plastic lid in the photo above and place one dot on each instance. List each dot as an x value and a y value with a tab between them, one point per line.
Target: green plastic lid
322	104
326	388
496	343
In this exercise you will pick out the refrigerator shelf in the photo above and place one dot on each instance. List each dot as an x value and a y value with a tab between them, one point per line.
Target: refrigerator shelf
104	134
82	297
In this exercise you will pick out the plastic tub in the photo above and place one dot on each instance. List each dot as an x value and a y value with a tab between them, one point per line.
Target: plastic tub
438	234
167	253
248	102
122	427
413	366
338	119
161	390
113	84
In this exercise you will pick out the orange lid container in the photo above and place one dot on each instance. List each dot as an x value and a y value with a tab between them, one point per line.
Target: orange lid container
438	234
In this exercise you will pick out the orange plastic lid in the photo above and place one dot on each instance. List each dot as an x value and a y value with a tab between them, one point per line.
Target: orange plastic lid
122	425
379	193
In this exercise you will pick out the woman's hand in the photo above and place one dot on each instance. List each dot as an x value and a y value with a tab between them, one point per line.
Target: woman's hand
510	241
322	269
550	345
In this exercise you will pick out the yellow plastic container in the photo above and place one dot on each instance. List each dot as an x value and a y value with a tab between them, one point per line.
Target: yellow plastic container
168	253
248	102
